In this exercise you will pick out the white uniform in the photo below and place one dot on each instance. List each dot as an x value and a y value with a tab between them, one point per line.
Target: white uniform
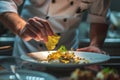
64	17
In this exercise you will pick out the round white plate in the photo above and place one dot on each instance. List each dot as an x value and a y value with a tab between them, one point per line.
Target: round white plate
93	58
26	75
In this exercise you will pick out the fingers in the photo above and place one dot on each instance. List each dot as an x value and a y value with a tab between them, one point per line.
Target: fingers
26	34
41	28
37	29
34	33
92	49
103	52
82	49
46	25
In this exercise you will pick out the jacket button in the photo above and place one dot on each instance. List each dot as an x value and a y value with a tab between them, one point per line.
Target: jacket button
53	1
40	45
58	34
65	19
47	17
78	10
71	3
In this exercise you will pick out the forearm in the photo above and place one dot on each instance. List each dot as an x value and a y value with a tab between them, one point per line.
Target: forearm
12	21
98	32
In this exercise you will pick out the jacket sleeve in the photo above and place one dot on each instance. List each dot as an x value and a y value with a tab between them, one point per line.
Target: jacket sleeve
9	5
98	11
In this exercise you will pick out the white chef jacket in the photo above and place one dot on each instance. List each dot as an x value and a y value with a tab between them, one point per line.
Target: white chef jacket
64	17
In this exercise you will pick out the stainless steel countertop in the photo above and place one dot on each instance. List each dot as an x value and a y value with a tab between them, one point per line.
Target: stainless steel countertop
107	40
7	39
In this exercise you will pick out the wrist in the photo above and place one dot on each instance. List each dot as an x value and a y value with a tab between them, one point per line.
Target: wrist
98	45
12	21
20	27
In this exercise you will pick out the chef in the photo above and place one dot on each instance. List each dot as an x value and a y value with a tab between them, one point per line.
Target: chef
40	18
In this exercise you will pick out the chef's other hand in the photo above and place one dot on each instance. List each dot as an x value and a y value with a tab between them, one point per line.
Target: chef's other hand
37	29
92	49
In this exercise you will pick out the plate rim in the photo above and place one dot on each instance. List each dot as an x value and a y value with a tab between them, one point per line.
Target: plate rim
65	65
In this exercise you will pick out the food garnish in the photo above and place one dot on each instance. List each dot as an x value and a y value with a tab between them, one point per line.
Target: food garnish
52	41
104	74
62	55
82	75
107	74
62	48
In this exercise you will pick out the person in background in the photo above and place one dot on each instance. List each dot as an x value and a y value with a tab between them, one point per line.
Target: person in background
40	18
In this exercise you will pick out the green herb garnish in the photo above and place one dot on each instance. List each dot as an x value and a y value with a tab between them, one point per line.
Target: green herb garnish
62	48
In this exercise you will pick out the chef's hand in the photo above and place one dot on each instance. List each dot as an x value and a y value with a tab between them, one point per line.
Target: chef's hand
37	29
91	49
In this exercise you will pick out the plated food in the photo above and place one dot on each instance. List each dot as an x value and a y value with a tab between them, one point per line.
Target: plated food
64	58
104	74
62	55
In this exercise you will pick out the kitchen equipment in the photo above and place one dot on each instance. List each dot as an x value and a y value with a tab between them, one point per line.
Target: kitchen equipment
26	75
13	69
6	61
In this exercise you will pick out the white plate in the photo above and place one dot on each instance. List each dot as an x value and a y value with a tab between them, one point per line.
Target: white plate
26	75
93	58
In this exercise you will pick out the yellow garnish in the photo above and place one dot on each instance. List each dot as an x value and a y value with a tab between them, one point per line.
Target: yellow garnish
52	41
63	57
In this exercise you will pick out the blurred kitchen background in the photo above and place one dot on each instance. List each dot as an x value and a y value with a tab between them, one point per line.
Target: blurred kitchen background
111	46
